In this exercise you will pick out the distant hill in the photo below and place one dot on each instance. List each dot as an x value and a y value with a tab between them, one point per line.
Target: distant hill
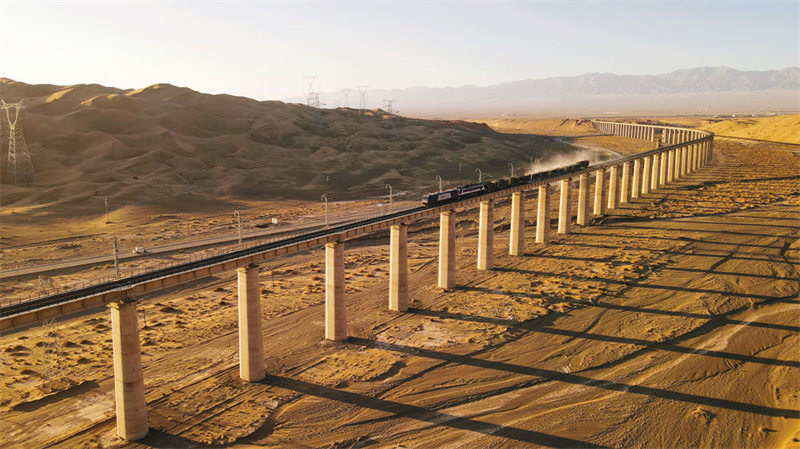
172	146
698	90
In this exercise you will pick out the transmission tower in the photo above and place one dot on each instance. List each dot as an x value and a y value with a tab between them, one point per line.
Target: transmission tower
20	167
312	96
362	105
346	94
387	106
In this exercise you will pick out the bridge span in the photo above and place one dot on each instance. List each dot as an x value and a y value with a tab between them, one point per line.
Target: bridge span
680	151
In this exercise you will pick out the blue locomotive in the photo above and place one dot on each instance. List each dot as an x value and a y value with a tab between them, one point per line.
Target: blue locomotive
471	190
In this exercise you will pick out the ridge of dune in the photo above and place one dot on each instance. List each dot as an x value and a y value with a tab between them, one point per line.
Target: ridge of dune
167	145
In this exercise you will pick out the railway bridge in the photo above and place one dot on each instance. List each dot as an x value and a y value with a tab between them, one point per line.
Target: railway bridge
680	152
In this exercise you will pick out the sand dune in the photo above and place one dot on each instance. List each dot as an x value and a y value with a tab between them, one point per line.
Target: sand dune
163	145
784	128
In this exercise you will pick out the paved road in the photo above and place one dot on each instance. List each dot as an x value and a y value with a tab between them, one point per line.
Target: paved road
172	247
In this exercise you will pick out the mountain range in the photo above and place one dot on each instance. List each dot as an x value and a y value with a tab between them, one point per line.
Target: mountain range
697	90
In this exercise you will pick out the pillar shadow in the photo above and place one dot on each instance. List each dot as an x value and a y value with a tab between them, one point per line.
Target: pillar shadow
639	310
424	414
664	251
715	231
647	345
647	285
688	270
684	238
722	223
577	379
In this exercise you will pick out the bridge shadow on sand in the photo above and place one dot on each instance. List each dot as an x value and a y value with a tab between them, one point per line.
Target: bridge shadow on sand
577	379
423	414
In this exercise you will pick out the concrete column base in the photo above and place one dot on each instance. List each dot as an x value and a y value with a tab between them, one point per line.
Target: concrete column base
543	215
654	172
636	181
670	166
251	337
447	249
516	245
613	177
583	200
486	236
398	268
599	206
625	186
128	377
335	309
564	212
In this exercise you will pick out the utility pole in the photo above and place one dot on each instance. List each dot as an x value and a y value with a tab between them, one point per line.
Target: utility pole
106	202
389	186
325	198
116	251
440	182
239	217
480	174
512	169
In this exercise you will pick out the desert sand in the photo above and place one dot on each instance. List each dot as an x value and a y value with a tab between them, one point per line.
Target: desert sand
670	322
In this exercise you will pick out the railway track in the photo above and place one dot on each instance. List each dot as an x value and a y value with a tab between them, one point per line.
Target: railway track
121	285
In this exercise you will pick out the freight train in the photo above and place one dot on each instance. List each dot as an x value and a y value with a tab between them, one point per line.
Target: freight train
471	190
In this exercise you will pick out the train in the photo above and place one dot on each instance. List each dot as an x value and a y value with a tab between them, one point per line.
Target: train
471	190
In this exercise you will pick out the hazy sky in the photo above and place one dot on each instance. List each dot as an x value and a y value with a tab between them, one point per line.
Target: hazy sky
263	49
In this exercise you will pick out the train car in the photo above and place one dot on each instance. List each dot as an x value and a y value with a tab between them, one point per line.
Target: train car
471	190
518	181
502	183
431	199
583	164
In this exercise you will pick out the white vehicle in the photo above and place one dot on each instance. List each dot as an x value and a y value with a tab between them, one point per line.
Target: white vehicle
139	250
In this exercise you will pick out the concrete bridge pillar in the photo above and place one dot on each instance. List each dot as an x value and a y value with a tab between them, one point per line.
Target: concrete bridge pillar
654	175
251	337
398	268
486	236
636	181
662	172
543	215
646	173
583	200
670	166
625	185
701	159
447	249
564	212
710	149
128	378
613	178
598	192
680	162
695	152
516	244
335	310
687	160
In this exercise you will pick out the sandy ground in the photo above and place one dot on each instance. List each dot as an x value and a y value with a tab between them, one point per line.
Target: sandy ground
672	322
67	238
